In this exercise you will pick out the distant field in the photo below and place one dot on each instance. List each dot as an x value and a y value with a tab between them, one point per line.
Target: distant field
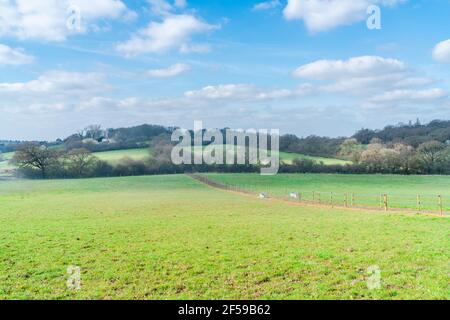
402	190
169	237
114	157
290	157
117	155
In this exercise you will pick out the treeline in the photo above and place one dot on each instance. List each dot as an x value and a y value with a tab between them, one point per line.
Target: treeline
95	139
39	162
431	157
409	134
402	149
36	161
8	146
311	146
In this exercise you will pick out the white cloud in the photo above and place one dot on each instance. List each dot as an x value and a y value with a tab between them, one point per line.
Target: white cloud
195	48
171	71
163	7
54	90
198	100
10	56
441	52
267	5
160	7
410	97
174	32
361	75
322	15
47	19
58	83
245	93
354	67
180	4
372	80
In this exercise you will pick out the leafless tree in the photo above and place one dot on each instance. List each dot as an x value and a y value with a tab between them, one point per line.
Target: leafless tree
94	131
35	156
430	153
80	161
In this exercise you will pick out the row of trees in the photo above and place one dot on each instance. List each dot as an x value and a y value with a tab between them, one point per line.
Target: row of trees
312	145
36	160
412	134
431	157
40	162
96	139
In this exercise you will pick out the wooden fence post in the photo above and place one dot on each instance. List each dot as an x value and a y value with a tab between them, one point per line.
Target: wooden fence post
346	200
440	205
386	204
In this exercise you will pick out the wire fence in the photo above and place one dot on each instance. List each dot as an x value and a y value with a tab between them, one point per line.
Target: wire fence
420	203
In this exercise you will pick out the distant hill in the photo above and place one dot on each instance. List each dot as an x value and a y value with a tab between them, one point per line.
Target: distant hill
411	134
115	156
98	140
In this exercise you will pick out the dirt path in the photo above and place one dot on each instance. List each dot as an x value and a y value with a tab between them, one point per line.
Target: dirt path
235	190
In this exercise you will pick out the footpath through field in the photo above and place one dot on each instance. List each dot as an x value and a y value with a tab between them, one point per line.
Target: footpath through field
294	198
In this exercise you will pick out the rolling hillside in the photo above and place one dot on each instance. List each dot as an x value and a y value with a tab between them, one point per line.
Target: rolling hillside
290	157
115	156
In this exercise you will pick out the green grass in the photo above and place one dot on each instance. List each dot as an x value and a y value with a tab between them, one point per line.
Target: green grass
290	157
170	237
115	156
402	190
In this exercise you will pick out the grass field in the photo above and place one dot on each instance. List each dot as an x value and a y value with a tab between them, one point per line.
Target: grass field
114	157
171	237
402	190
290	157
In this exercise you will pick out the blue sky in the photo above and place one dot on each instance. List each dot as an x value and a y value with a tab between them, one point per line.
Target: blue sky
301	66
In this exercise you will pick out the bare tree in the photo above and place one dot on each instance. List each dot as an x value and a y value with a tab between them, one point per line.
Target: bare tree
430	153
35	156
94	131
80	160
161	148
350	149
